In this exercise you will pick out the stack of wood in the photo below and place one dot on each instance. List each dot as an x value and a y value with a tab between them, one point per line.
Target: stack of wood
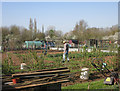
38	78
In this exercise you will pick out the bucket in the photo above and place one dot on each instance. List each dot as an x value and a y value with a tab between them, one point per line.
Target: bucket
84	73
23	66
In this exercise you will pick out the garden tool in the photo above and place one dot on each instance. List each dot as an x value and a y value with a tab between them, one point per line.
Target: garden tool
101	67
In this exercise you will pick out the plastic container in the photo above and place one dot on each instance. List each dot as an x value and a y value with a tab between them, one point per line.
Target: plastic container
22	66
84	73
15	80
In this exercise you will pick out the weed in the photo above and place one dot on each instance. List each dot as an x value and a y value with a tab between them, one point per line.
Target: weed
7	68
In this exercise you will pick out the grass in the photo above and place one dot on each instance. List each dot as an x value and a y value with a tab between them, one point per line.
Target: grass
93	85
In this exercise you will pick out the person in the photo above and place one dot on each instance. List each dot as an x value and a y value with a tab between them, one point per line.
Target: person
65	52
45	48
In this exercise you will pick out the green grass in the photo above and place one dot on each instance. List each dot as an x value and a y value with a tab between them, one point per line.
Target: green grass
93	85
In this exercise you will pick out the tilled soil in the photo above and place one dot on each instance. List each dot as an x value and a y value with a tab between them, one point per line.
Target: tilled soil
92	77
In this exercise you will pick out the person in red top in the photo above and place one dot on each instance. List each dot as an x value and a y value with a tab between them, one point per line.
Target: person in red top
110	42
45	47
65	52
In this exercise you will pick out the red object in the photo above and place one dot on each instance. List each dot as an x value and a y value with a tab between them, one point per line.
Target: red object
44	45
14	81
117	79
110	42
70	41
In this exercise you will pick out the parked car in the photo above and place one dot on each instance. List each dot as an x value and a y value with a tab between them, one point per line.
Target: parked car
51	44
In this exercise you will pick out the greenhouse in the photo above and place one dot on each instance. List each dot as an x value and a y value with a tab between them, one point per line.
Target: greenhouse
33	44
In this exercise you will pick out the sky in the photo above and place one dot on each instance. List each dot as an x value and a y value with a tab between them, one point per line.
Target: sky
62	15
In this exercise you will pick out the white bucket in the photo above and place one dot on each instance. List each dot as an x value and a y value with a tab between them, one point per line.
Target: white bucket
84	73
23	66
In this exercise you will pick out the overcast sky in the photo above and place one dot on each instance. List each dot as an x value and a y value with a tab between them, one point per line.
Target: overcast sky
62	15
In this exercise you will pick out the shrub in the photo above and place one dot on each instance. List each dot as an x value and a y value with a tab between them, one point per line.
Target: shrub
7	68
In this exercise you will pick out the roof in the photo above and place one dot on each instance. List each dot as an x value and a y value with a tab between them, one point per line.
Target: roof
37	43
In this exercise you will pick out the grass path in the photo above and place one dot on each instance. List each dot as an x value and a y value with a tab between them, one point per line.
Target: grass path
93	85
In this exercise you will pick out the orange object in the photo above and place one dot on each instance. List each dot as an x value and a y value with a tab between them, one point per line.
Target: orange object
109	42
14	81
44	45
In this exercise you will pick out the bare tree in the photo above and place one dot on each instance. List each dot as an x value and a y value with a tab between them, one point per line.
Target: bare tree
58	33
35	28
40	36
50	31
79	31
14	30
31	25
31	28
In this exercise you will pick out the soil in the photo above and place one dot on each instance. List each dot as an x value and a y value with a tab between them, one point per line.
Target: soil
95	76
75	79
17	61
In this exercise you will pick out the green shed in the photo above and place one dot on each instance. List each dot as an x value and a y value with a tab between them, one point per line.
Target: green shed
33	44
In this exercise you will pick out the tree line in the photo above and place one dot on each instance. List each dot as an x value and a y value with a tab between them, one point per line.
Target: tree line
14	36
82	32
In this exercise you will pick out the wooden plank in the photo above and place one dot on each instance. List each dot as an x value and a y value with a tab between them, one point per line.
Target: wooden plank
36	80
47	79
14	88
34	85
41	76
53	76
52	69
41	73
36	76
